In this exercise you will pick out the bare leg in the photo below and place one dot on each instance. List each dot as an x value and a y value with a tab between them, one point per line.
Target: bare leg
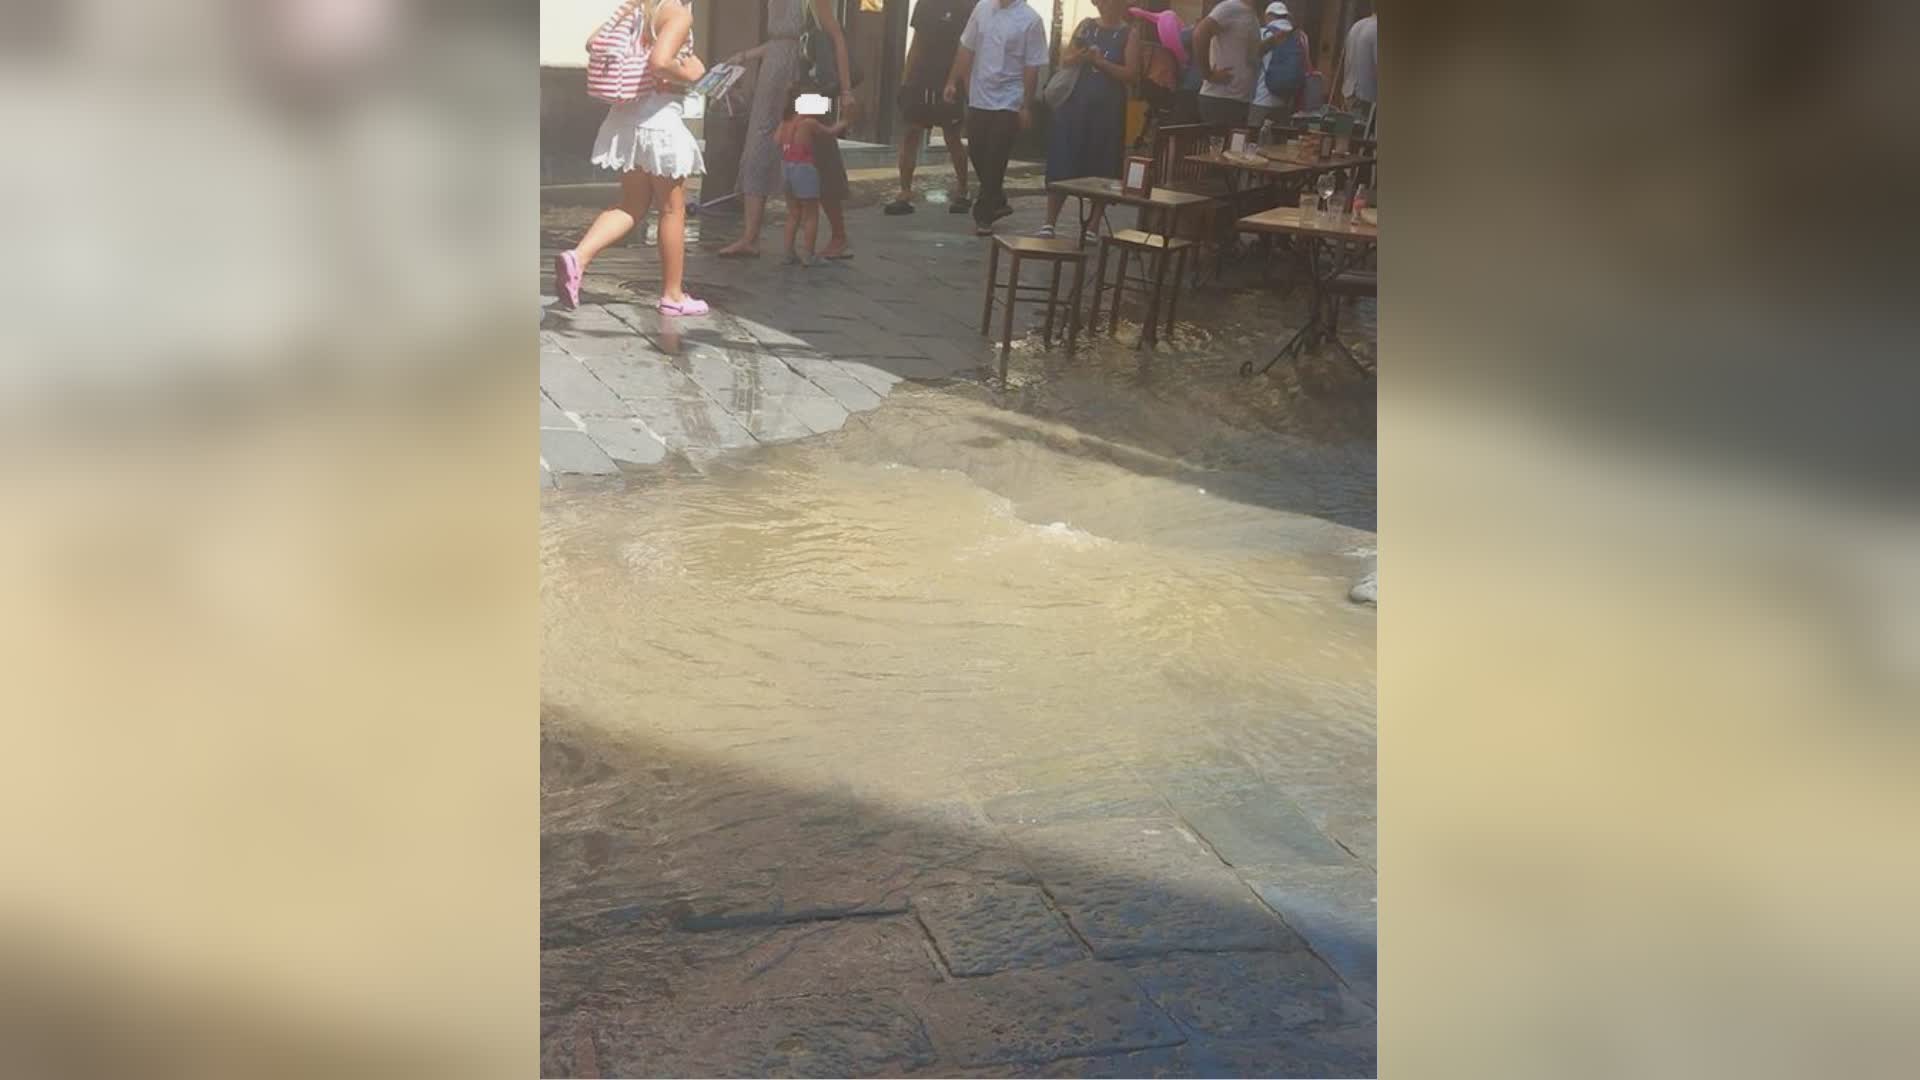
837	221
793	223
957	150
810	209
909	159
616	221
1055	200
671	197
749	242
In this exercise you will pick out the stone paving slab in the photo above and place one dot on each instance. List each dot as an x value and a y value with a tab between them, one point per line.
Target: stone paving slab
983	929
855	1034
652	378
1258	827
575	452
1335	909
734	966
1106	798
1310	1052
1038	1015
551	415
692	423
1142	887
574	388
626	441
1248	995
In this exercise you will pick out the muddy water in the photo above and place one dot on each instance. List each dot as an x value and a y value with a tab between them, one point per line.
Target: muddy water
953	599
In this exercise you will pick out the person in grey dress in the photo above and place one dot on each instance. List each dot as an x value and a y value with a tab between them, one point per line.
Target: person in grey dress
760	172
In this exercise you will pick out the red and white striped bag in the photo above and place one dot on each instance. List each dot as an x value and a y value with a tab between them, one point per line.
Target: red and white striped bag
617	60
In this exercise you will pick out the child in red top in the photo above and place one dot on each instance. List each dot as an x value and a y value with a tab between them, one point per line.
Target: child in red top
795	136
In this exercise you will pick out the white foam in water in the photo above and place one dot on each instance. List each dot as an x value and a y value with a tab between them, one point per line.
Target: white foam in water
1066	533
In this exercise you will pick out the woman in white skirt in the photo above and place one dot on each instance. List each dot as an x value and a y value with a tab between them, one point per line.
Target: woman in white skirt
648	143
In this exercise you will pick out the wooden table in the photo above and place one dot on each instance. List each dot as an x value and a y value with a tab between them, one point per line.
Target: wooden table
1342	243
1100	191
1274	171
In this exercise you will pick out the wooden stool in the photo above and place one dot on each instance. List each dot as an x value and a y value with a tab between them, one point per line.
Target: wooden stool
1161	251
1023	248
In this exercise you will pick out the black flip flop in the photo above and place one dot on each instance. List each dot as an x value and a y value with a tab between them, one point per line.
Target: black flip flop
897	207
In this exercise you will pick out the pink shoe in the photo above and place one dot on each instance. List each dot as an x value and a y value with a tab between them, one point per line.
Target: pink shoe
566	278
688	306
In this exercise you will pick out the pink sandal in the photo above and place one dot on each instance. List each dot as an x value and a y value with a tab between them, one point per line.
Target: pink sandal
566	278
688	306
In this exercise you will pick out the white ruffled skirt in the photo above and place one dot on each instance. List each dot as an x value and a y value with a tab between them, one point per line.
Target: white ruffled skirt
649	134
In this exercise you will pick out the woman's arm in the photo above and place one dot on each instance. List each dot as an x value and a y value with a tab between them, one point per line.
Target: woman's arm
823	14
748	56
675	23
618	14
1203	32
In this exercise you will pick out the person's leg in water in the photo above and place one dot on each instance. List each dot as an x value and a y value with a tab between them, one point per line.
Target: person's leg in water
670	195
909	160
836	211
793	226
616	221
749	241
958	202
810	214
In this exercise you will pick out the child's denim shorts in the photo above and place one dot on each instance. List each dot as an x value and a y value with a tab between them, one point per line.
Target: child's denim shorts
803	180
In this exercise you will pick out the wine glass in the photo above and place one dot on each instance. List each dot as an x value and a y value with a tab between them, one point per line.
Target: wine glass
1329	183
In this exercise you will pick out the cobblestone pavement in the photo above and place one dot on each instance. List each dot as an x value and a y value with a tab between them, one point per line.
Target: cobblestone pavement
816	875
1186	920
789	352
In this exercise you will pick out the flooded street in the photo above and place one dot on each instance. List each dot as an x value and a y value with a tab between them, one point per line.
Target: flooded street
924	586
991	732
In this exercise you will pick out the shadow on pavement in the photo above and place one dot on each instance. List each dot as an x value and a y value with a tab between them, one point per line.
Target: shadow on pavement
700	918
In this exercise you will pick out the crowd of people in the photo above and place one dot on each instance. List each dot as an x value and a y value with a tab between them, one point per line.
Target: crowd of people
973	72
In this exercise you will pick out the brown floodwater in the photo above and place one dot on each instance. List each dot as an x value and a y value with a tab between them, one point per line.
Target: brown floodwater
951	598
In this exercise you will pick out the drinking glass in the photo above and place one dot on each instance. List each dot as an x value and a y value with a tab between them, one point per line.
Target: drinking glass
1309	208
1328	187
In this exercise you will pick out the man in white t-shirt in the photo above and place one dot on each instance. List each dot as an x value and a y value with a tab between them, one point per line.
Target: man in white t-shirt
1360	89
1002	50
1227	43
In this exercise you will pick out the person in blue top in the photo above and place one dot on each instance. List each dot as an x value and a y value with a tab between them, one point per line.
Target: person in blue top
1088	136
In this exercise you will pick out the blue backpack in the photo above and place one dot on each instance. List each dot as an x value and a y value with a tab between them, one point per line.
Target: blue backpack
1286	68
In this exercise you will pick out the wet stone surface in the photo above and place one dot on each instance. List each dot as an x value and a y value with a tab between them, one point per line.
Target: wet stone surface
1140	887
1248	995
897	722
854	1034
980	930
1335	909
1033	1016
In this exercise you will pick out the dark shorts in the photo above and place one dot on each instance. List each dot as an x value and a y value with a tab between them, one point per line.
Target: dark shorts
921	107
803	180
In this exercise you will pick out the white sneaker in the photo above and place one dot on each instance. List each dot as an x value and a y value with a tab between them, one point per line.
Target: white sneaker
1044	232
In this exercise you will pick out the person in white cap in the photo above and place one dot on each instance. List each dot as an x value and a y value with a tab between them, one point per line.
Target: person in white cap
1285	59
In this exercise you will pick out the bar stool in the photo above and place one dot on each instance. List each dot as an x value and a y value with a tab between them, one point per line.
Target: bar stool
1159	252
1021	249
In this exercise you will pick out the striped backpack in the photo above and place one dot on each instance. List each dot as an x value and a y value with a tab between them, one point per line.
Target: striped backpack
617	60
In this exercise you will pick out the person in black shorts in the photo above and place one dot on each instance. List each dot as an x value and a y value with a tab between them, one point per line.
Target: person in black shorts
936	37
